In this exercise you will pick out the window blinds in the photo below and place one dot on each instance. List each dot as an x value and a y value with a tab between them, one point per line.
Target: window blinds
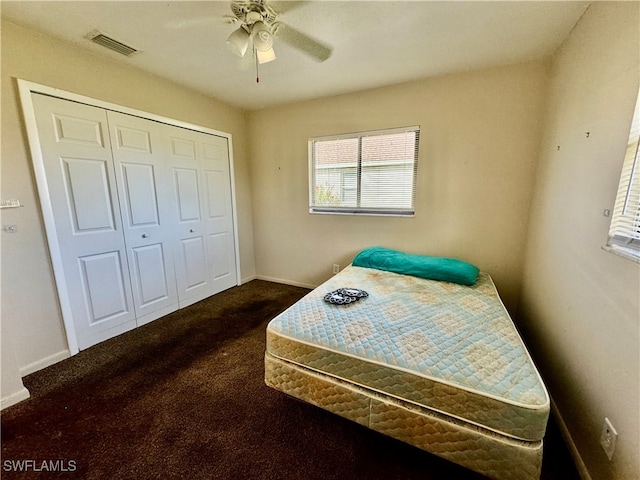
364	173
625	225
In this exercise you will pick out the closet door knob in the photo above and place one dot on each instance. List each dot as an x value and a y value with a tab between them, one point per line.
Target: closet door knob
191	230
144	235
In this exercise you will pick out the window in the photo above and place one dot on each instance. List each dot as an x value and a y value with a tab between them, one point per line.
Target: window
624	233
371	173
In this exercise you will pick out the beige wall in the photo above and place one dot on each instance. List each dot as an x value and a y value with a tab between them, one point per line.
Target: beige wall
12	389
29	300
582	304
478	150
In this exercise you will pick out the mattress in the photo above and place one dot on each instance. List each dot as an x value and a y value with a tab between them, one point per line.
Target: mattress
438	347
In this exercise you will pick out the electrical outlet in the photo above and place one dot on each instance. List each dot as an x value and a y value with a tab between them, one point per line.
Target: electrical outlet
608	438
336	268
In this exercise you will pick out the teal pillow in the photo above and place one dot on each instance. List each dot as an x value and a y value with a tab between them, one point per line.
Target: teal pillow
433	268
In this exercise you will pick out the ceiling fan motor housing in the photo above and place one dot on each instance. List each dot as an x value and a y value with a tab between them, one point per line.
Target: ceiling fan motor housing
254	11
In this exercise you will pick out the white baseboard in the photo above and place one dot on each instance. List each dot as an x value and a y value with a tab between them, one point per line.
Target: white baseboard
14	398
45	362
573	450
247	279
286	282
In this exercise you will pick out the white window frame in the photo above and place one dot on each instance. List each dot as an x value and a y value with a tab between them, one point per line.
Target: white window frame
359	210
624	231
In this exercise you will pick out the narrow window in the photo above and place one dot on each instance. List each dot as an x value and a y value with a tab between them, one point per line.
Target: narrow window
624	232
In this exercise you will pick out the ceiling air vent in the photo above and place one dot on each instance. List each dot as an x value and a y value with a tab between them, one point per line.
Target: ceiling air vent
110	43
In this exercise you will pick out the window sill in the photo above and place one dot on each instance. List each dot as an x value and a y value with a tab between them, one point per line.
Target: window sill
361	214
627	253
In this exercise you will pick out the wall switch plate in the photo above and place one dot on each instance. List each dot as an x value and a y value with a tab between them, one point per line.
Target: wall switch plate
608	438
336	268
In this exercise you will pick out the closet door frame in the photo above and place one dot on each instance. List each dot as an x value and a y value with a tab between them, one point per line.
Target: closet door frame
26	89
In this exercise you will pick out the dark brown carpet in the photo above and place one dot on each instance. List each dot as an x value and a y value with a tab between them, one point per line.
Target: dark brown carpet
184	398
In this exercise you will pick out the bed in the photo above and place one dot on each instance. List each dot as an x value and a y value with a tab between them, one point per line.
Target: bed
436	364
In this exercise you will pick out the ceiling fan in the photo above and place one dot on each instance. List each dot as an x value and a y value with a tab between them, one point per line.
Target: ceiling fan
259	26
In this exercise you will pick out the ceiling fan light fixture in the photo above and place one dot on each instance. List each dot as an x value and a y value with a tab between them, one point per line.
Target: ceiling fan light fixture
265	56
262	36
238	41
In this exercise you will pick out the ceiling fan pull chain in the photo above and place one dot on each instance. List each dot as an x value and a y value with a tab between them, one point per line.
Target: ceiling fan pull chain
255	55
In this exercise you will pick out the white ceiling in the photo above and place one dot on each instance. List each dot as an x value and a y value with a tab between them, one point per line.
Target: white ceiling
374	43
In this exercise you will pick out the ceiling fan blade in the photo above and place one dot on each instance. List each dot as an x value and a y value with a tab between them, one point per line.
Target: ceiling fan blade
285	6
303	42
239	8
185	23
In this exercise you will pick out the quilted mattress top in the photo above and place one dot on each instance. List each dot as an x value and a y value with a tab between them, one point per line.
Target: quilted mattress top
440	345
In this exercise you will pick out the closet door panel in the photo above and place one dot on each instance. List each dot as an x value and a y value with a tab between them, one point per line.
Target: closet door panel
76	154
144	190
187	196
219	211
195	261
149	268
86	182
140	190
104	286
219	248
193	279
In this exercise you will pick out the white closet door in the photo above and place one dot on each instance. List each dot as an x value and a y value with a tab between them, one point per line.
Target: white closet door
190	244
76	152
144	190
218	211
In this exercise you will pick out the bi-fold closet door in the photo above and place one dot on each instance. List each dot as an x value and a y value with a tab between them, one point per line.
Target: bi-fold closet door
202	216
142	213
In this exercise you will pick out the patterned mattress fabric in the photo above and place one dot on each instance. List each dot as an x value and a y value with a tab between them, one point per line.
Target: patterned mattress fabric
494	455
449	348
